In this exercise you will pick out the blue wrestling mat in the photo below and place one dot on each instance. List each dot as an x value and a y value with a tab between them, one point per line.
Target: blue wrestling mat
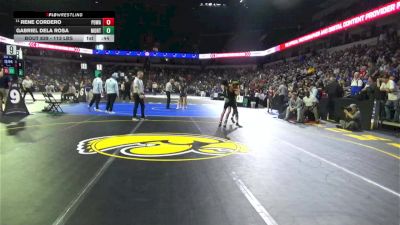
151	109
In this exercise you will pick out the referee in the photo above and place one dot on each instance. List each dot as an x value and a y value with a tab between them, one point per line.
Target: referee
138	95
112	91
168	90
27	85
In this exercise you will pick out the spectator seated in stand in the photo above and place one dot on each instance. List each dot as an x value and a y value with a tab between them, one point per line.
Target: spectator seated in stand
295	108
393	99
356	84
370	91
310	108
70	93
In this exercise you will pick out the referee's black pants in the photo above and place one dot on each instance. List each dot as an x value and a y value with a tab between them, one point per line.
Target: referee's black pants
138	101
127	93
168	98
28	90
95	99
110	101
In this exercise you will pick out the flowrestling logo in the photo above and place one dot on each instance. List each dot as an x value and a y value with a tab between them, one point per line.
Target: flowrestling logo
161	147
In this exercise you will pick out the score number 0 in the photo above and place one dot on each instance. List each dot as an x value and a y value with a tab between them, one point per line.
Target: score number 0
108	21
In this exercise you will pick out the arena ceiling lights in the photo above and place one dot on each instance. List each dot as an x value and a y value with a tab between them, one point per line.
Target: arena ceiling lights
374	14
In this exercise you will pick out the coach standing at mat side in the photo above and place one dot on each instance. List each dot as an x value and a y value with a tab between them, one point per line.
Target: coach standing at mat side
168	90
138	95
112	92
97	92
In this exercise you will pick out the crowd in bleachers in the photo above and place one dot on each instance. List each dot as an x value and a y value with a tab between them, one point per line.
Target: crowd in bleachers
356	70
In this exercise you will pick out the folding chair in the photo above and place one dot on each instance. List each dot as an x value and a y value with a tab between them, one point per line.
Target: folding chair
53	104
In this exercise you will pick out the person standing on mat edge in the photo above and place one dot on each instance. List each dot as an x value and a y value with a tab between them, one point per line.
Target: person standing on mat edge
27	85
97	92
168	90
5	82
182	104
138	95
127	89
112	92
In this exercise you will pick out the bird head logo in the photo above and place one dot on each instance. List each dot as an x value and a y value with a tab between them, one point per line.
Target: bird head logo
161	147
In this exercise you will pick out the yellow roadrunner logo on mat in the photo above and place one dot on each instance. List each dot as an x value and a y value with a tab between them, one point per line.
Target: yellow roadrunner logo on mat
161	147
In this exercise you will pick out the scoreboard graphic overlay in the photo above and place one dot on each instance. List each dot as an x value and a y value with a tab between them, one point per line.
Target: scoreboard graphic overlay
84	26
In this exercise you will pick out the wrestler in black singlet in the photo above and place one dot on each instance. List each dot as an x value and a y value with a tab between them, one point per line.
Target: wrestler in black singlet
230	98
183	91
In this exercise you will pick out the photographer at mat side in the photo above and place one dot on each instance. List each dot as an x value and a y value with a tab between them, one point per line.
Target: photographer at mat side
353	118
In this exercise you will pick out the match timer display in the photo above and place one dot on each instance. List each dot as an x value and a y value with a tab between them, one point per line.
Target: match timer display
87	26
